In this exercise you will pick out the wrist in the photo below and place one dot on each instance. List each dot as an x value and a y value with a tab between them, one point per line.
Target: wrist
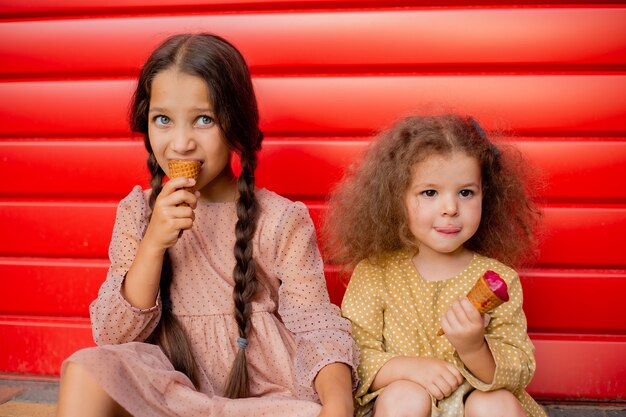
147	249
473	348
339	405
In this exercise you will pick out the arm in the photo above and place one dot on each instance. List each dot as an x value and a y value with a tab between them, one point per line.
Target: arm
141	285
117	315
507	344
114	320
437	376
334	387
464	328
322	336
364	305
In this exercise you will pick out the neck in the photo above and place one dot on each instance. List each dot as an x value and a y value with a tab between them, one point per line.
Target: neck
222	189
437	266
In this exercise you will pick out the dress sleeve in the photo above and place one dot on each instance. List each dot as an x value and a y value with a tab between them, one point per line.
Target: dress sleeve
322	336
364	305
510	345
114	320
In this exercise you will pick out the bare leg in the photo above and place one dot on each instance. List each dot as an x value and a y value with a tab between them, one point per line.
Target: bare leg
403	398
500	403
80	395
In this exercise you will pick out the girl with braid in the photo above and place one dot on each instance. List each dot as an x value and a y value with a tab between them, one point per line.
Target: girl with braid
433	206
215	303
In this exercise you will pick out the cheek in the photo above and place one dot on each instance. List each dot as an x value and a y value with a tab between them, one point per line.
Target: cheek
475	211
156	140
417	216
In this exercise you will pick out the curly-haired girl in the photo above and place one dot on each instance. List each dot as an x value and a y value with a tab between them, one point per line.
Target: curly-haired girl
434	205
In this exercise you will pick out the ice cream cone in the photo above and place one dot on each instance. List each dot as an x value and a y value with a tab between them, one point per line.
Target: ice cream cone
483	298
184	168
488	293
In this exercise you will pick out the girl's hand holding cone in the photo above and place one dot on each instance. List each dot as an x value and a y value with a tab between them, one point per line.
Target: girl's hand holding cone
172	213
178	168
464	326
488	293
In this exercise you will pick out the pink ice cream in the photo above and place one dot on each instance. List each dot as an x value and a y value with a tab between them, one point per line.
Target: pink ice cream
497	285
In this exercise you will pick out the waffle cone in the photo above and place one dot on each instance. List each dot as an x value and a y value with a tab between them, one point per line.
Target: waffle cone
184	168
482	297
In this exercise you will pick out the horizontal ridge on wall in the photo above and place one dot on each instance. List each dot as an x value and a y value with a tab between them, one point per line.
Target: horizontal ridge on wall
65	287
572	169
573	237
75	8
593	375
462	40
557	105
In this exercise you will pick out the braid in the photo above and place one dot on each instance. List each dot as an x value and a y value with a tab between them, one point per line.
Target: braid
244	273
156	179
169	333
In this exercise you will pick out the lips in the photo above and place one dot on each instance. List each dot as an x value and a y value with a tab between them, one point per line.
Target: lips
448	230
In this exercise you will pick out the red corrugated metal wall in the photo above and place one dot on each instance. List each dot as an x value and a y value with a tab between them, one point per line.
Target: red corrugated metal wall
327	74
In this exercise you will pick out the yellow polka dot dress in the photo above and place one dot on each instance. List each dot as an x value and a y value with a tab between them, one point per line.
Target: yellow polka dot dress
394	312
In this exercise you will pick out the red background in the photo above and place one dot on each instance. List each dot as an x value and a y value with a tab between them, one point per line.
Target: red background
328	74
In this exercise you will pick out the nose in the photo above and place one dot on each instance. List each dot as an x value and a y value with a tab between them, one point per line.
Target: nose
183	140
449	206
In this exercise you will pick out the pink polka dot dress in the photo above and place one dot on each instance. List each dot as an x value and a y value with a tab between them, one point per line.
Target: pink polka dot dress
296	330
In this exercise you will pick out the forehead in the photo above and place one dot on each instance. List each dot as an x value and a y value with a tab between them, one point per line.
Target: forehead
173	88
456	167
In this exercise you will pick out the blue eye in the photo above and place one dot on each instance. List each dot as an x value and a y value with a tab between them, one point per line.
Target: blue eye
204	120
466	193
161	120
429	193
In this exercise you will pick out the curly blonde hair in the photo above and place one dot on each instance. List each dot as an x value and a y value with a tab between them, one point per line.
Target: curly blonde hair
366	215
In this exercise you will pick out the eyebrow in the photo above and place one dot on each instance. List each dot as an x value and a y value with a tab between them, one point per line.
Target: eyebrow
431	185
195	109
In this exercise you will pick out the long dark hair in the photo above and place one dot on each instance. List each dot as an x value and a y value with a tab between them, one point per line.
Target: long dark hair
226	74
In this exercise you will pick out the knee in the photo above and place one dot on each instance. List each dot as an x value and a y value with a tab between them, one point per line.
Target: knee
403	398
75	379
73	374
498	403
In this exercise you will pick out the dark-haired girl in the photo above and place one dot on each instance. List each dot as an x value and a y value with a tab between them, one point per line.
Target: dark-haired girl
215	302
432	207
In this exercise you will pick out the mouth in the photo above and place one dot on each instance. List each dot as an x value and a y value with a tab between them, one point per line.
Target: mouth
448	230
188	159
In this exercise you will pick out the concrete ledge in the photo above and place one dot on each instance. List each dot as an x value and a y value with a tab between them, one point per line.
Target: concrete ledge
26	396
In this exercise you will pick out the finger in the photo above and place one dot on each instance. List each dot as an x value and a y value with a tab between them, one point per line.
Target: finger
445	325
184	197
445	387
461	309
456	373
182	224
451	317
176	184
434	390
178	197
182	212
486	319
451	380
197	195
471	312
